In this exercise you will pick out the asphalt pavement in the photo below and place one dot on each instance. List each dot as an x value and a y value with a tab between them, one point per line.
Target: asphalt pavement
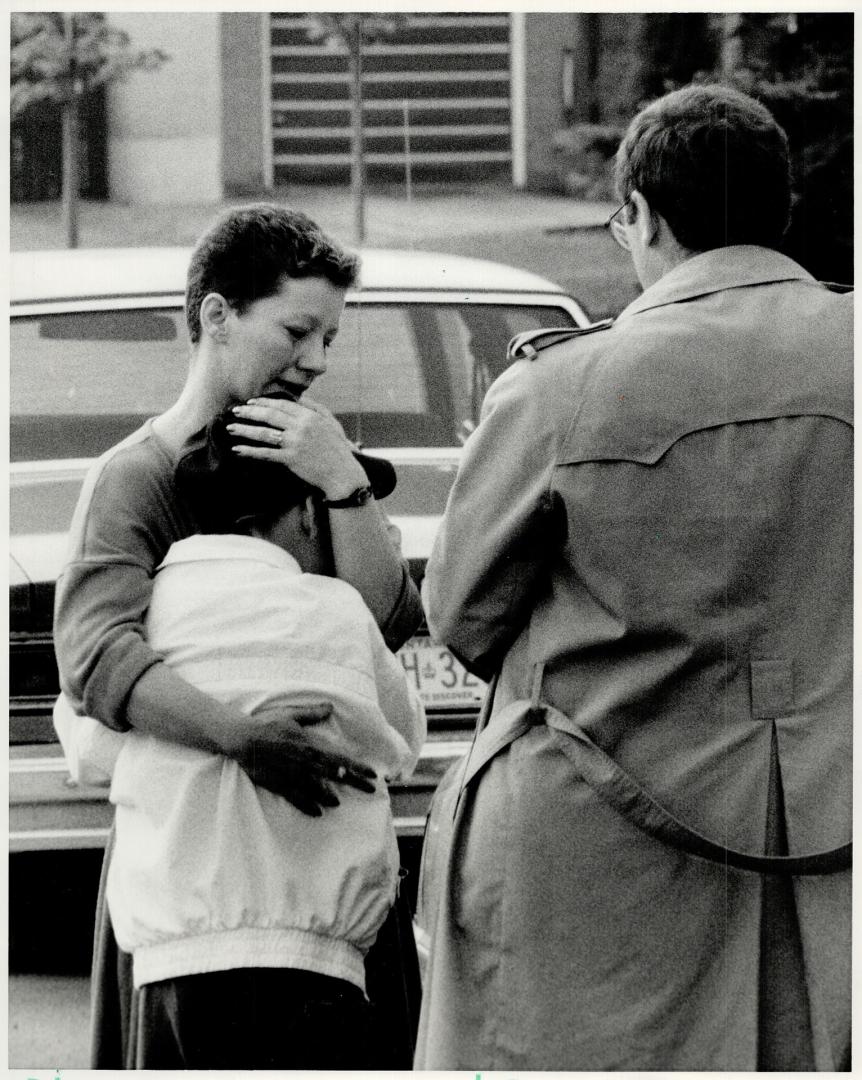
553	235
391	219
49	1017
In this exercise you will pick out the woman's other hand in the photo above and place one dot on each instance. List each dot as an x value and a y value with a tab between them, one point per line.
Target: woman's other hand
274	752
271	746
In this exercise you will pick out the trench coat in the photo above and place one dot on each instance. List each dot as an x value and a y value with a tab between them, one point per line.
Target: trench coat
650	537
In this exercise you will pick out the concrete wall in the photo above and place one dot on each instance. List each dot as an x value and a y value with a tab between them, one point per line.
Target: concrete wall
548	36
165	126
622	61
245	101
609	63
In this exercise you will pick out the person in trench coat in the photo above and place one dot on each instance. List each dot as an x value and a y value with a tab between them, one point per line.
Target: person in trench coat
647	551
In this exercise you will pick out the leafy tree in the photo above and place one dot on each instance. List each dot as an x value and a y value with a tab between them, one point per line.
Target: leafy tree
350	31
679	47
60	57
801	66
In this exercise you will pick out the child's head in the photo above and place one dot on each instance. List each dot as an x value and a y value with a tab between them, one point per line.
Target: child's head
301	529
231	494
228	493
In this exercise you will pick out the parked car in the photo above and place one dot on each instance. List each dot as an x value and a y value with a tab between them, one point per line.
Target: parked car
98	344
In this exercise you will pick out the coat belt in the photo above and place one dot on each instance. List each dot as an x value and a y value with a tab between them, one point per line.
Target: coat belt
625	794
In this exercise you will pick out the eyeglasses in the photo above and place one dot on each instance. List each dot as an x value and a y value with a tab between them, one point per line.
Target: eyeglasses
616	227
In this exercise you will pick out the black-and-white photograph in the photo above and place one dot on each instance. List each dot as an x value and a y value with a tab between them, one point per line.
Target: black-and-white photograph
430	540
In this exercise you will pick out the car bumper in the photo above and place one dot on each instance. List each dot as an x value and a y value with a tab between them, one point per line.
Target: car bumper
48	811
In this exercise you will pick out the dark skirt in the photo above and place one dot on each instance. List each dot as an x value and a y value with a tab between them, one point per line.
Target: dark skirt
392	985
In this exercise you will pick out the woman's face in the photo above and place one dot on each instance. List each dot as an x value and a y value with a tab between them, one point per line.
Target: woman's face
280	341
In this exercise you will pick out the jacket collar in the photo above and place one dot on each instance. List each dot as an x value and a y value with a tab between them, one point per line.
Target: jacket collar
717	270
204	547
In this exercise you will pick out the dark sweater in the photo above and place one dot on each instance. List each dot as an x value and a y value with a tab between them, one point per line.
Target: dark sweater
128	515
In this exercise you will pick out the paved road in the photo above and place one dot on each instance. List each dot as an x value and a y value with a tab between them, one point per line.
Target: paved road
552	235
390	220
583	259
49	1016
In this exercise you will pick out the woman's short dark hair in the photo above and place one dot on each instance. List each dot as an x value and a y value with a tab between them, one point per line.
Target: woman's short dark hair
714	163
246	252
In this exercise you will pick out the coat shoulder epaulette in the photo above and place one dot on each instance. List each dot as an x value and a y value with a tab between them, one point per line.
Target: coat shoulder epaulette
528	345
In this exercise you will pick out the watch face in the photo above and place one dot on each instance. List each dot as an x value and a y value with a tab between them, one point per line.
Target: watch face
356	498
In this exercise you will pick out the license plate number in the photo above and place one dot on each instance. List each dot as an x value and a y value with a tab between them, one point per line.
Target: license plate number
441	680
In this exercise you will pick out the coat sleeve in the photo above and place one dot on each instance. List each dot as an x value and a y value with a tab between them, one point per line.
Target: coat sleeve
501	523
91	749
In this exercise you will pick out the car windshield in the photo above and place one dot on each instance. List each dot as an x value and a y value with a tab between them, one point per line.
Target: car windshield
400	374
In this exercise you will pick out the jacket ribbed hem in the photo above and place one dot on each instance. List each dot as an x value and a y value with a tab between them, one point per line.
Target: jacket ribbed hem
249	947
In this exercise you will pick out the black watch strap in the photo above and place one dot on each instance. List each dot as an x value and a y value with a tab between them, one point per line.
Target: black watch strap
359	497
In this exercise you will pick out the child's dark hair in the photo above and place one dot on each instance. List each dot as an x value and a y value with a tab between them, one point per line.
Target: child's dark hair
228	493
245	253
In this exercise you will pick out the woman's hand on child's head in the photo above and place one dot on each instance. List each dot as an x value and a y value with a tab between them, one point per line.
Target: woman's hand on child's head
305	437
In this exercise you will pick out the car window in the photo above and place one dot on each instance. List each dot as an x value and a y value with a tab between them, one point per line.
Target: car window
97	362
399	374
372	363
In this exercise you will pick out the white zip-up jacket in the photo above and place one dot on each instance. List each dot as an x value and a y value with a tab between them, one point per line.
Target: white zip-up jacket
210	872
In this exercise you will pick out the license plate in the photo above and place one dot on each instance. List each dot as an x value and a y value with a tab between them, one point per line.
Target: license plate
442	681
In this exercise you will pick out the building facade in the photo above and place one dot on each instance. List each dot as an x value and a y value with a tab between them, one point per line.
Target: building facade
252	101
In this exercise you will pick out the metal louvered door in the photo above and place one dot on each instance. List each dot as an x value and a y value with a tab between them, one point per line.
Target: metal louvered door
436	96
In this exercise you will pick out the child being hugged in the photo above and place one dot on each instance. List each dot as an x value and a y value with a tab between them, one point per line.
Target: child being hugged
220	888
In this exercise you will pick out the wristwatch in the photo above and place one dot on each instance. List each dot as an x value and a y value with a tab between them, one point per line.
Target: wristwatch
359	497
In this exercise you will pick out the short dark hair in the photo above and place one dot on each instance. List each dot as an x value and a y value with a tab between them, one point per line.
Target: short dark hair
714	163
246	252
225	489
